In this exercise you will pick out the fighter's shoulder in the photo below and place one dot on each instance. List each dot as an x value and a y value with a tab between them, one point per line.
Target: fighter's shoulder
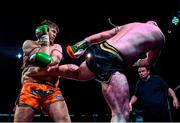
27	43
57	47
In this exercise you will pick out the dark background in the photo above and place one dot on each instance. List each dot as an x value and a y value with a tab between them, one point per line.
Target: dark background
76	21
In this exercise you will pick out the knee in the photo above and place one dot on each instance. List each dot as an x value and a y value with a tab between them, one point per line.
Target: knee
64	118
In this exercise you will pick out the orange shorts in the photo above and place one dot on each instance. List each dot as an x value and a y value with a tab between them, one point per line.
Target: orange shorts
39	95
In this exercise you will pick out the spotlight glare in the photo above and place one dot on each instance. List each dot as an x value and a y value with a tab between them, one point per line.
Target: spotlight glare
88	55
19	55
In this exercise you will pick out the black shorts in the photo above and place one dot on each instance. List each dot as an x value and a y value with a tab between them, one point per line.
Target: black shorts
104	61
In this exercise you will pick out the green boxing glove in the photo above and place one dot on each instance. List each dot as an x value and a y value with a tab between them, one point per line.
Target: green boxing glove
41	59
78	49
42	34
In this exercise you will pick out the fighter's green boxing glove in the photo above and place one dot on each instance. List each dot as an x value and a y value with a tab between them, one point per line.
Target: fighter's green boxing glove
77	50
42	34
41	59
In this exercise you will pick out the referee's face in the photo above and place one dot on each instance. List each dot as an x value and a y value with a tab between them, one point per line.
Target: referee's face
143	72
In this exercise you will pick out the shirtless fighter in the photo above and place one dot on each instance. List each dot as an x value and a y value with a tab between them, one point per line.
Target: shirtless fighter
39	88
111	53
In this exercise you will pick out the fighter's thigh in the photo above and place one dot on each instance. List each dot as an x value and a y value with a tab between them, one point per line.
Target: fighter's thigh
84	72
23	114
120	83
117	84
120	86
116	92
58	111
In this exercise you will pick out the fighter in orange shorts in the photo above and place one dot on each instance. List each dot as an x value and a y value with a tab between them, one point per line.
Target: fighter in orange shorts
40	88
39	95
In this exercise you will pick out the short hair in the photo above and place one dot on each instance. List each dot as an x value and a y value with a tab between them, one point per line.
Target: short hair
147	67
51	24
